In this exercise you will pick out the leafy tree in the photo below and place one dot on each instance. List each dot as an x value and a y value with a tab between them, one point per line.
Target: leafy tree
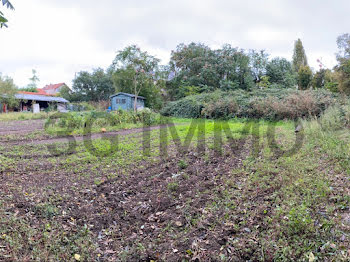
3	20
32	87
304	77
299	56
197	65
8	91
68	94
95	86
331	80
319	79
137	72
280	71
264	82
189	90
29	89
192	65
343	67
234	68
343	70
258	63
343	43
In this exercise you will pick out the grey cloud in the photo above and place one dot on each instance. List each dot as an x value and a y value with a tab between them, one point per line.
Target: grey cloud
164	24
272	25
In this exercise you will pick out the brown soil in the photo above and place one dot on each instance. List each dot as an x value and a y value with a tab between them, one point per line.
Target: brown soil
24	127
21	127
162	206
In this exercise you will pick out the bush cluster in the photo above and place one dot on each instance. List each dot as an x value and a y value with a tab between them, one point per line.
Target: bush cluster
77	120
336	117
270	104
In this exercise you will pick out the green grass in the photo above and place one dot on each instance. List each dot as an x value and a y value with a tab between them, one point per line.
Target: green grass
23	116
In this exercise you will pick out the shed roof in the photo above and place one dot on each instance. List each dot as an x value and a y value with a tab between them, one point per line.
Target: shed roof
41	98
126	94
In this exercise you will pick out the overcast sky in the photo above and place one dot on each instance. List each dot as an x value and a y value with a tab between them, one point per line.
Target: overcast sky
61	37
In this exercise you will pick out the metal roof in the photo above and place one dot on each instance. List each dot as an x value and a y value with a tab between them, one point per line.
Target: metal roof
126	94
41	98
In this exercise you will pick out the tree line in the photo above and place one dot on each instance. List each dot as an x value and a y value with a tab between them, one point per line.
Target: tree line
196	68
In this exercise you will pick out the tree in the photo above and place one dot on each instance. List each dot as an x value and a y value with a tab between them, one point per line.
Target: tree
3	20
343	43
304	77
95	86
299	56
192	65
280	71
258	62
32	87
68	94
343	67
264	82
343	70
189	90
331	80
137	72
8	91
319	79
197	65
234	68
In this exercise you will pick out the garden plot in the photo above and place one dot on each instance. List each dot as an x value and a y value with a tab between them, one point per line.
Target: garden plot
239	203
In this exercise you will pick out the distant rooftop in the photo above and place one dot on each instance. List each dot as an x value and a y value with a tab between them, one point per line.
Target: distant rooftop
53	86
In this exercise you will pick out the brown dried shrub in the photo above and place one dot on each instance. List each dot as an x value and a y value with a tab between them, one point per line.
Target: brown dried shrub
297	105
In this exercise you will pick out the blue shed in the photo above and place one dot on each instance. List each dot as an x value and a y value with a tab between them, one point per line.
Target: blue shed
125	101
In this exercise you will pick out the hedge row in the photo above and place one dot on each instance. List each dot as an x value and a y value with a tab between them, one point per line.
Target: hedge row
76	120
270	104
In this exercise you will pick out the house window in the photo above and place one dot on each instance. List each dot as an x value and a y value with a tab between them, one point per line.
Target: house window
117	101
123	101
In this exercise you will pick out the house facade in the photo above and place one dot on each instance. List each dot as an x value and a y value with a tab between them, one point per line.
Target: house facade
126	101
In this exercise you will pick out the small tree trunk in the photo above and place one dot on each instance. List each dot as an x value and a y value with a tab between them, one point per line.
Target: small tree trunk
135	93
135	103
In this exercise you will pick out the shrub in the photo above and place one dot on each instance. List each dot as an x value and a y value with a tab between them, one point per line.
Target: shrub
271	104
187	107
81	120
293	106
336	117
223	108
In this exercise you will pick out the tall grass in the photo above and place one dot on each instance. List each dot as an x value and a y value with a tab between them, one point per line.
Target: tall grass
331	133
335	118
94	121
13	116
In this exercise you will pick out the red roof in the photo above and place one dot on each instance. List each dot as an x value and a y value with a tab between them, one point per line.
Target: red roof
54	86
40	92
